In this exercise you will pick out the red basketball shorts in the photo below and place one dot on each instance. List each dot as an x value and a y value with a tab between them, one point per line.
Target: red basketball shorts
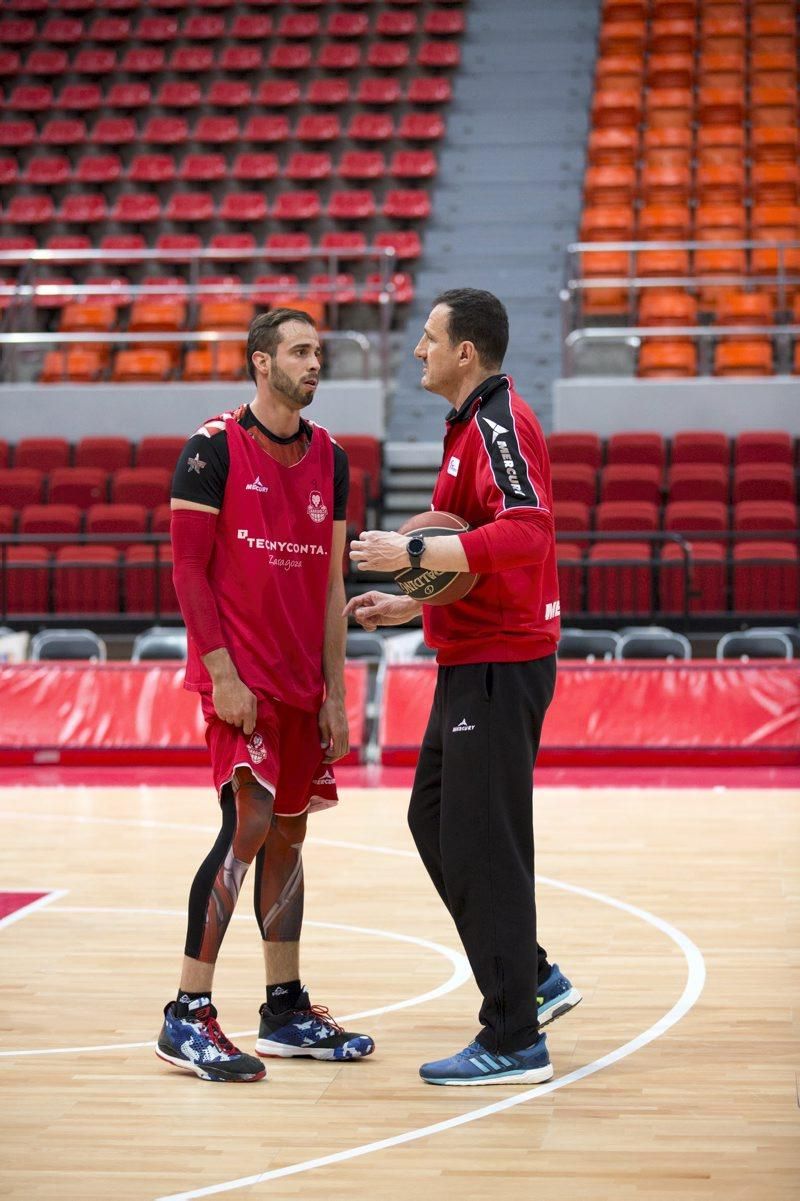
283	753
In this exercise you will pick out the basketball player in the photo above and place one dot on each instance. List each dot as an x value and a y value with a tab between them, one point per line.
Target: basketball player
471	803
258	532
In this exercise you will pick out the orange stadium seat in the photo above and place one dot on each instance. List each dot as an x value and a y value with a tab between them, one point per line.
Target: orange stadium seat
773	67
222	360
745	308
672	35
774	144
77	364
141	366
670	71
720	183
616	109
618	73
665	222
721	144
613	146
775	183
610	185
667	359
721	70
664	183
667	306
751	356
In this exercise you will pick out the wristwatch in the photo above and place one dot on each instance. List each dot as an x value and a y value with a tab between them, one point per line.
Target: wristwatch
415	548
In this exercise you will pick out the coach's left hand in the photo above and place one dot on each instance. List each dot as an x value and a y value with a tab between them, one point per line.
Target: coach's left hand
333	730
379	550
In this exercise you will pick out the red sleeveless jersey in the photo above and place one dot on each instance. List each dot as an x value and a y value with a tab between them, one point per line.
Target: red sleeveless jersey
269	568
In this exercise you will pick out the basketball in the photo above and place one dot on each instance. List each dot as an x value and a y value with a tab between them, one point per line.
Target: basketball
434	587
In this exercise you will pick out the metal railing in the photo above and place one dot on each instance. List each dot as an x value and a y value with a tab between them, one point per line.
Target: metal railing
616	576
19	315
576	332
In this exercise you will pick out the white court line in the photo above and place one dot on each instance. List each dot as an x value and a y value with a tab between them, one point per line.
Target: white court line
460	973
51	894
694	986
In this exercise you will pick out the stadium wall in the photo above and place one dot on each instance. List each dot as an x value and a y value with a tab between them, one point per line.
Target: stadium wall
606	405
72	412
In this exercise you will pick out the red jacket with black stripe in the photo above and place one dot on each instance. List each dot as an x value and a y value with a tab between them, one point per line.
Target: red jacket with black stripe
495	474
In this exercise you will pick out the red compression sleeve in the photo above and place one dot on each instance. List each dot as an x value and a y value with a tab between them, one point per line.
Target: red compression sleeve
516	539
192	543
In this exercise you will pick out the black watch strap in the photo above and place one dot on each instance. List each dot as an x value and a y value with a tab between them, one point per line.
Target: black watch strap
416	549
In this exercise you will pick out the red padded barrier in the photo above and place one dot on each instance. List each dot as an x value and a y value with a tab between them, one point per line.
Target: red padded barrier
108	713
634	713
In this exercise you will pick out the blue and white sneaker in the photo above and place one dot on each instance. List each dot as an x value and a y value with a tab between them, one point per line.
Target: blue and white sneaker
308	1030
476	1065
197	1044
556	996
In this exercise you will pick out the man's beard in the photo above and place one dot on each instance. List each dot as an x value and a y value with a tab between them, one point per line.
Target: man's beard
285	384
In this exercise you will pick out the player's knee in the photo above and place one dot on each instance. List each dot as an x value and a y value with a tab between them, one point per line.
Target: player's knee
253	817
292	830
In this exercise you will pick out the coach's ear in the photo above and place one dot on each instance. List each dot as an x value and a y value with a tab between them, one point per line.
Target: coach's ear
467	354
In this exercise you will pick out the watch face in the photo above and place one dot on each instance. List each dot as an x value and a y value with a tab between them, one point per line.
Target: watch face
416	546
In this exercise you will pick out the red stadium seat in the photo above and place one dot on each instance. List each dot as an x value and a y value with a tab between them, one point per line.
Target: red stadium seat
300	26
29	210
148	587
362	164
98	168
405	243
621	516
396	24
365	452
152	168
136	208
161	518
125	519
629	481
191	60
574	482
407	204
765	578
575	447
51	169
706	586
86	579
297	206
278	93
44	454
289	57
252	168
30	98
115	30
346	245
148	486
265	130
251	27
429	89
682	516
87	208
179	94
400	286
763	481
376	90
241	58
129	95
421	127
288	248
763	446
619	578
190	206
698	481
20	486
328	93
268	287
637	448
347	25
27	579
109	453
439	55
81	486
570	577
768	516
701	446
80	97
159	451
370	127
572	517
217	131
7	519
227	93
339	56
203	27
108	131
357	501
318	127
50	519
352	205
303	167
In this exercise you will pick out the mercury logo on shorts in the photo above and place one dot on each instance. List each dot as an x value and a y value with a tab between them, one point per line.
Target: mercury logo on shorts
462	727
317	509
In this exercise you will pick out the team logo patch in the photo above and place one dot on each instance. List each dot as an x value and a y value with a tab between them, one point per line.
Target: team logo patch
317	509
256	749
453	465
195	464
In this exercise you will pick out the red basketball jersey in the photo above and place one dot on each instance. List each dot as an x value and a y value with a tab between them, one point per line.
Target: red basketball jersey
269	569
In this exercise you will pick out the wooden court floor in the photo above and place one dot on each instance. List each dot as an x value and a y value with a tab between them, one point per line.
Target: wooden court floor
667	1085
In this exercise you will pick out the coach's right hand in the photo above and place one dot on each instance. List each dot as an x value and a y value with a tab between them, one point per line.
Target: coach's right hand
232	699
373	609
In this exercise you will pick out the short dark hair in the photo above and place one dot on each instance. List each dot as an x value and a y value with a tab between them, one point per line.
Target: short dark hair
478	317
265	332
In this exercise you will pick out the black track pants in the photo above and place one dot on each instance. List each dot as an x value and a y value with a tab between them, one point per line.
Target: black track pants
471	815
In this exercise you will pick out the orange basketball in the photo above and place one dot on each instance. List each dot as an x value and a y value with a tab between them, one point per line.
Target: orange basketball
434	587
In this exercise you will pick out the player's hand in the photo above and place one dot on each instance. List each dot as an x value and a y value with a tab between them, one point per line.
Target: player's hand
373	609
334	735
379	550
235	703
